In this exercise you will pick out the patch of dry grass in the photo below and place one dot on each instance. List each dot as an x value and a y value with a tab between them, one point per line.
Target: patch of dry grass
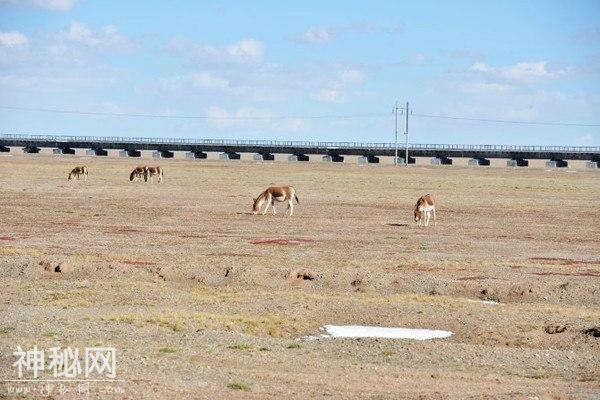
254	325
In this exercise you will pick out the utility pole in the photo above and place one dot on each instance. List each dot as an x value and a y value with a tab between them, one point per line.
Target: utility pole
406	133
396	143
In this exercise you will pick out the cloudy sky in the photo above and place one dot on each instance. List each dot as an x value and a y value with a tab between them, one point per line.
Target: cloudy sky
308	70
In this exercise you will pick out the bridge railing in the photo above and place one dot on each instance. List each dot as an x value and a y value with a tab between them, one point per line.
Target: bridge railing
298	144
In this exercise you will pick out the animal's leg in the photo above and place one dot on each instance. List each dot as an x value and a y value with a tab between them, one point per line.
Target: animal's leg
291	207
427	216
267	207
434	221
273	205
420	220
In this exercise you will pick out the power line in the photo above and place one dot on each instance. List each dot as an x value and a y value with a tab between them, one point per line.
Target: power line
284	117
232	117
505	121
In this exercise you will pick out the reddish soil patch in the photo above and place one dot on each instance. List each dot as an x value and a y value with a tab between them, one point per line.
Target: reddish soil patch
7	238
191	236
590	273
194	236
473	278
138	262
281	242
233	255
564	261
125	230
427	269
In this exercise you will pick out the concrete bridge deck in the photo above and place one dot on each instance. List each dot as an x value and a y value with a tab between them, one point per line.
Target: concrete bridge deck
337	150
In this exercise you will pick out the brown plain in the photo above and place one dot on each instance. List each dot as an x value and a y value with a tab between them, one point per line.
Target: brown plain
203	300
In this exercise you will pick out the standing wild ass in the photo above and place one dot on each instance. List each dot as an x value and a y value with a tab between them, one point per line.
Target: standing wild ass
151	171
78	171
425	204
275	193
137	173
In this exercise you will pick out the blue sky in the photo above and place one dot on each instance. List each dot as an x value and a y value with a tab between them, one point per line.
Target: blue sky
244	65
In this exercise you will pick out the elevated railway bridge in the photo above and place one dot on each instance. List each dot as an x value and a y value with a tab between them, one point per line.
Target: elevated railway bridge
519	156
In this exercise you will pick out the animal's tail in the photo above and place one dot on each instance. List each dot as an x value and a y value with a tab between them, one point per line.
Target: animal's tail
132	175
297	201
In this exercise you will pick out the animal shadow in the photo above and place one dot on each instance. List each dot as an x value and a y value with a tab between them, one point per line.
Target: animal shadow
396	224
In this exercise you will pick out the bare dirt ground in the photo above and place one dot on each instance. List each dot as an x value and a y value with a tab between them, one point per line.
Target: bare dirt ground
201	299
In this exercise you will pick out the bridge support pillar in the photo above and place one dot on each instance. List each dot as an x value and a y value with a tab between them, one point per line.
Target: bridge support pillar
517	162
333	158
130	153
592	164
367	160
4	149
163	154
441	161
479	161
230	156
192	155
96	152
264	157
297	157
411	160
557	164
31	150
63	150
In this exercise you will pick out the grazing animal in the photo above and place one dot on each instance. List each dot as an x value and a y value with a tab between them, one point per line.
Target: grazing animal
151	171
78	171
138	173
425	204
276	193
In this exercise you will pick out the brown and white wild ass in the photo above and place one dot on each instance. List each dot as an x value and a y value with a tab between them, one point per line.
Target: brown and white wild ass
151	171
138	173
78	171
273	194
425	204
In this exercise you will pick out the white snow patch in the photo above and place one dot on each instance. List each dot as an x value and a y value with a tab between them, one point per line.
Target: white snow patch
359	331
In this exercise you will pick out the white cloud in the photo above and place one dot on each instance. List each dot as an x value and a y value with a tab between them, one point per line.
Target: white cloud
55	5
107	37
416	59
587	139
329	96
352	76
253	120
524	71
207	80
480	67
335	90
13	39
520	72
52	5
318	35
246	51
483	87
466	54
